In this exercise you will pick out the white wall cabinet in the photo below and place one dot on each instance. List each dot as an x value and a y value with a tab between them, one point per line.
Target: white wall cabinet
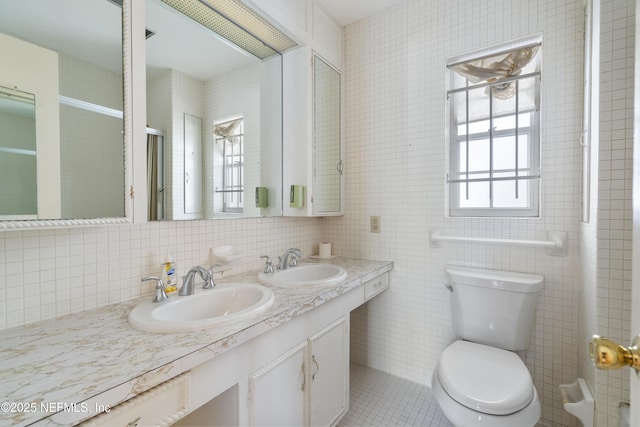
312	106
307	385
313	142
327	183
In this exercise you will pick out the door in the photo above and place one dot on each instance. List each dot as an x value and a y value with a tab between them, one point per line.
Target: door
635	294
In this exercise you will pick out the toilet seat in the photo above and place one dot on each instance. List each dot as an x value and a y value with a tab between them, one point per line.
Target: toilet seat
461	416
485	379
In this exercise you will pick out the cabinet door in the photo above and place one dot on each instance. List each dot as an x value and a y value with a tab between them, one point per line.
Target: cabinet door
329	370
327	139
277	391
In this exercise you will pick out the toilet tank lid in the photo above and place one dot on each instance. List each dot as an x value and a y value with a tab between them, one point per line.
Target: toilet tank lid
509	280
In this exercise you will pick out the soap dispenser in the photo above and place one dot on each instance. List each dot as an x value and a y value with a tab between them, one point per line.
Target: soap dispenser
169	275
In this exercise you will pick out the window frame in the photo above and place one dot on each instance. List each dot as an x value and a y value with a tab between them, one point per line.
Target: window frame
454	171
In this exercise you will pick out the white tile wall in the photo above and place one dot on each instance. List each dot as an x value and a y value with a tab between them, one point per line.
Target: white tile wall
395	165
49	273
394	168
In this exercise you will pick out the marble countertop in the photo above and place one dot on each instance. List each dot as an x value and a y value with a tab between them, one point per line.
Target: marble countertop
61	371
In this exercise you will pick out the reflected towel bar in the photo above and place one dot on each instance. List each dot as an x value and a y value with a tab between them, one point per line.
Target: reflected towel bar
556	242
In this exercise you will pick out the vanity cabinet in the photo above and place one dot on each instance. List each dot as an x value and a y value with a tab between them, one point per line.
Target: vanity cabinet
329	365
375	286
161	405
307	385
290	369
277	390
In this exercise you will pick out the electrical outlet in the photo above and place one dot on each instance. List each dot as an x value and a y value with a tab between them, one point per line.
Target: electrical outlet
375	224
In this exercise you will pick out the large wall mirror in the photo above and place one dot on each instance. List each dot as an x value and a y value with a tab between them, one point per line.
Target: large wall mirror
214	117
62	133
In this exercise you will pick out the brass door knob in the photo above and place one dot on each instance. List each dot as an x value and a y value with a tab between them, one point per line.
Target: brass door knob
608	354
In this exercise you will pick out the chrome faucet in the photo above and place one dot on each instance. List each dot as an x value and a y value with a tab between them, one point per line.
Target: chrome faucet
188	283
268	267
161	295
210	284
284	259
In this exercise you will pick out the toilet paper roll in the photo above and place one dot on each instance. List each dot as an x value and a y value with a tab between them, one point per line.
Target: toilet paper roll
325	250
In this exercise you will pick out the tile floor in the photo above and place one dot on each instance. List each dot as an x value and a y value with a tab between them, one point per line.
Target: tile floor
380	399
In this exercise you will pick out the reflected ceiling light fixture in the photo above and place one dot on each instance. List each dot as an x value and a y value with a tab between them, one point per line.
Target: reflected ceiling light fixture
238	23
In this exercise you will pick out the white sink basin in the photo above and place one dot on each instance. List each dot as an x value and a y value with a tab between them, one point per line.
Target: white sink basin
205	309
305	275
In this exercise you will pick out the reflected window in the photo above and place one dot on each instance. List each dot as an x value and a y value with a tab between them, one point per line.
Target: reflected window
229	135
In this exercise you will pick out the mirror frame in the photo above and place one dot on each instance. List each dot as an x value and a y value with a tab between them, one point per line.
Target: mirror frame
128	123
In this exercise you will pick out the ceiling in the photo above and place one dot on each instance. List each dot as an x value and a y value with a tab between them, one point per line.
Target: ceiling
349	11
90	29
56	25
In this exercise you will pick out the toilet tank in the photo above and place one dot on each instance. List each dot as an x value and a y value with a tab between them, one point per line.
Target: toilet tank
493	307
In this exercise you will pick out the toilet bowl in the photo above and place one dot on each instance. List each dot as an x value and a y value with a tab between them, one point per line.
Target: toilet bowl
479	380
479	385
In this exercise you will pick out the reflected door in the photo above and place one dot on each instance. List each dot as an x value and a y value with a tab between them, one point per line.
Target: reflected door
192	164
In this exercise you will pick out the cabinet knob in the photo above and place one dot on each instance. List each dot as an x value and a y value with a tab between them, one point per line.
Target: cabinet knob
608	354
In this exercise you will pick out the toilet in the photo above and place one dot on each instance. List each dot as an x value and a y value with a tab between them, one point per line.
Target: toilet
479	380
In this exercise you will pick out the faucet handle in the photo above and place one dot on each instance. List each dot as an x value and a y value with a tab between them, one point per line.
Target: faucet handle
295	255
268	268
209	283
293	260
161	295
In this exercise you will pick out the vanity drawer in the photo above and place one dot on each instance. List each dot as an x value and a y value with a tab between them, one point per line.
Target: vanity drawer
162	405
376	285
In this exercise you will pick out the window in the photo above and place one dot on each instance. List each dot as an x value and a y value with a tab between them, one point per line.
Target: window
494	143
230	134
